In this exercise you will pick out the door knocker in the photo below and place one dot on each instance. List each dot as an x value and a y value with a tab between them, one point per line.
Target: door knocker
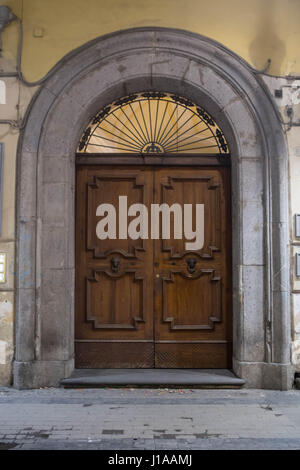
115	264
191	265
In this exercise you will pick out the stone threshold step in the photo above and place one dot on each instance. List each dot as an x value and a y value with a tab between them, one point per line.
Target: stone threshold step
177	378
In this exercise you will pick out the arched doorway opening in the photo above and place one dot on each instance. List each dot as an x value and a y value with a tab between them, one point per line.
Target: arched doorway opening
202	71
153	173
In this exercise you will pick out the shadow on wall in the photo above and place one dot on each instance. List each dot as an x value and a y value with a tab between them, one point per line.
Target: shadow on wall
267	44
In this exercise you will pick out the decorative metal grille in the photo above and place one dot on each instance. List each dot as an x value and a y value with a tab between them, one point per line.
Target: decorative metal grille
153	123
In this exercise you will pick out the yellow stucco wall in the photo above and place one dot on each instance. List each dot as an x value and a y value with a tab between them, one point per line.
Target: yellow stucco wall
254	29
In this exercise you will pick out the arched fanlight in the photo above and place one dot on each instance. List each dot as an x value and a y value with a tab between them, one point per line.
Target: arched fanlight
153	123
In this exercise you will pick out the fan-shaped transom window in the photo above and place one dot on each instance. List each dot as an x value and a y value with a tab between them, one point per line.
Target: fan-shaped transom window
153	123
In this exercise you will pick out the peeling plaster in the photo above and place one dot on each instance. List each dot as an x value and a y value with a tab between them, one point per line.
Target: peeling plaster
3	345
6	310
296	354
2	92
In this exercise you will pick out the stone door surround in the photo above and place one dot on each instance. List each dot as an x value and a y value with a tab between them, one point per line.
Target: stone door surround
84	82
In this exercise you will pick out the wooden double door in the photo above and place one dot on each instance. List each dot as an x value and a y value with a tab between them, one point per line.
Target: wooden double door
153	302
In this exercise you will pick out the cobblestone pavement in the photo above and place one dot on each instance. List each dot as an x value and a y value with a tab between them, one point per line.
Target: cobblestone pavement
149	419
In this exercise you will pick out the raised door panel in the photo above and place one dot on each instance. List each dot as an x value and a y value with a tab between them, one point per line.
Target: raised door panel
188	187
121	188
192	302
115	301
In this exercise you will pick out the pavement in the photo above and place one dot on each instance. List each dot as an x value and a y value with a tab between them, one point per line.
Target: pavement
154	419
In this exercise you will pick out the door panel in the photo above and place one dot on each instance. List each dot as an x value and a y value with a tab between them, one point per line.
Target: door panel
114	287
192	301
153	303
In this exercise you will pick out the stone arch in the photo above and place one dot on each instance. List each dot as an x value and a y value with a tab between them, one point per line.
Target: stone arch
82	83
